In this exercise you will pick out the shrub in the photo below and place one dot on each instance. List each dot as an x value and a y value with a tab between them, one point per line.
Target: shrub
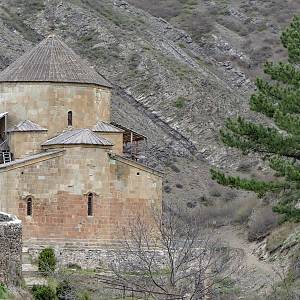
74	266
295	263
230	195
243	212
3	291
47	261
43	292
218	214
245	166
215	192
261	223
198	24
84	296
180	102
64	290
279	235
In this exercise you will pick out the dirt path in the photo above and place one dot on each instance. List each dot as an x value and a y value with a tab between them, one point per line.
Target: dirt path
259	274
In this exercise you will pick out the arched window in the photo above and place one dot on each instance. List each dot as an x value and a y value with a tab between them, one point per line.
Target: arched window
29	206
90	204
70	118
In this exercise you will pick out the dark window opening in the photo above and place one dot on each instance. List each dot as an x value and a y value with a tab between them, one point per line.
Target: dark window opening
70	118
90	204
29	207
138	173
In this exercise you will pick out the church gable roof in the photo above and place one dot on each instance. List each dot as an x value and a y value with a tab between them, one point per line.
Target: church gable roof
26	126
78	137
51	61
106	127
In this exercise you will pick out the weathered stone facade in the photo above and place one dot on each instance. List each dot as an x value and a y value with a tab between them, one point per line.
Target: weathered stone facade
78	188
59	186
48	104
10	249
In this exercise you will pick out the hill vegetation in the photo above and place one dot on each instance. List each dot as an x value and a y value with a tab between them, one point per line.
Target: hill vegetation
179	70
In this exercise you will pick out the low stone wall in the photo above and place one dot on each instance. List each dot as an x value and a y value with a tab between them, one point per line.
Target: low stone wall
85	258
10	249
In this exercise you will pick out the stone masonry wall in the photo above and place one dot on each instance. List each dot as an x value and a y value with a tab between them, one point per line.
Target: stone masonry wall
10	249
26	143
47	104
59	189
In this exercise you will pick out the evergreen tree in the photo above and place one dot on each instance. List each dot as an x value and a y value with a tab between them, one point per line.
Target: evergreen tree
278	98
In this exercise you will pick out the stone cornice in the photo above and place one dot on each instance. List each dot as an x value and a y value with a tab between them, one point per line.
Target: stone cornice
30	160
135	164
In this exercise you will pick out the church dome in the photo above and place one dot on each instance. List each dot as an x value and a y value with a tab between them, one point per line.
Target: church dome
52	61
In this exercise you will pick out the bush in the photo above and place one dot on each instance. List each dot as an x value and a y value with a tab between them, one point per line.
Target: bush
47	261
3	291
295	263
230	195
261	223
43	292
215	192
84	296
74	266
219	212
180	102
280	235
64	290
243	212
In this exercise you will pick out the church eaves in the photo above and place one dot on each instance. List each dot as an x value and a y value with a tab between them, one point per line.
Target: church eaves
78	137
26	125
106	127
52	61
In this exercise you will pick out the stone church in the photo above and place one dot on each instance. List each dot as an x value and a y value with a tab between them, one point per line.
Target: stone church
66	171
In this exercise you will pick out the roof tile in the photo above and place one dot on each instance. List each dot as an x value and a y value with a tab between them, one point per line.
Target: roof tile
51	61
106	127
78	137
26	126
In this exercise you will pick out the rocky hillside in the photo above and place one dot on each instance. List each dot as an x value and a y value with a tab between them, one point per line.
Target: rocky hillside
175	86
240	33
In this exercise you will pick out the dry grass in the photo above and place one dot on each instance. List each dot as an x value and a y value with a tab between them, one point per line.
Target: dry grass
224	213
262	221
279	235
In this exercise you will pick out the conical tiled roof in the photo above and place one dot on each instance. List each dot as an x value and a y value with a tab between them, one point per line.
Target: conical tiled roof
51	61
78	137
27	126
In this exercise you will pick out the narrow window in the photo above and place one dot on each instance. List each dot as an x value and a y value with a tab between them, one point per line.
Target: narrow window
70	118
29	206
90	204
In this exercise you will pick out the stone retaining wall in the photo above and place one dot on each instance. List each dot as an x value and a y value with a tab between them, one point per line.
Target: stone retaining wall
10	249
85	258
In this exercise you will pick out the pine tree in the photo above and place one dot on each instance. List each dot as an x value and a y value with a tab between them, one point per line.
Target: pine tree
278	98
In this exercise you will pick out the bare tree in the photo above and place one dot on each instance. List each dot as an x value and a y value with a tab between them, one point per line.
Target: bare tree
171	259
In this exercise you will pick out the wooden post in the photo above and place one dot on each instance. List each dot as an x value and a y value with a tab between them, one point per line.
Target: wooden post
5	127
131	144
